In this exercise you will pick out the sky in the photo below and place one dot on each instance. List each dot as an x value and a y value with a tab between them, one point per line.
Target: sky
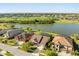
39	7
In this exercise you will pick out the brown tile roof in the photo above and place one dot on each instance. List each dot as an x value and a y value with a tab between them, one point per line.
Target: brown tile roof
24	36
42	40
36	38
63	41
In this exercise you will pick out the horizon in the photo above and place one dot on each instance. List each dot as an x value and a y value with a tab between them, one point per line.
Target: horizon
40	12
39	8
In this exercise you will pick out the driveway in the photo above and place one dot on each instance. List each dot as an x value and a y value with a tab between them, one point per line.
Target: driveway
14	51
63	53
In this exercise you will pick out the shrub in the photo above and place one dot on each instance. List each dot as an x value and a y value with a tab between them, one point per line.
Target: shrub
29	29
76	53
11	42
4	41
26	46
49	52
38	32
32	49
1	38
8	54
6	26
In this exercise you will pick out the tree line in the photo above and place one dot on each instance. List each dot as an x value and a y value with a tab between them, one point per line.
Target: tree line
28	20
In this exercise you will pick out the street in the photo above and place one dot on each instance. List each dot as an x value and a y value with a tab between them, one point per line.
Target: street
14	51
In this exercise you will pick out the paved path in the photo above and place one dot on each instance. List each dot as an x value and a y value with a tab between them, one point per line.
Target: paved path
14	51
63	53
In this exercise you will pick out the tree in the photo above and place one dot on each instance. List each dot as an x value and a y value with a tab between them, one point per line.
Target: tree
76	53
29	29
74	37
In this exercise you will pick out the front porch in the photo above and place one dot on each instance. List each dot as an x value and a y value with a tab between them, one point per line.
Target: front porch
60	48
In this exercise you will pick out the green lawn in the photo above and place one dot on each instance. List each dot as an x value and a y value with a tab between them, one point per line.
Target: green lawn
8	54
6	26
67	21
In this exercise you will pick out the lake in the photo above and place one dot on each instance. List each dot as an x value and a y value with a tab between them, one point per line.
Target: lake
65	29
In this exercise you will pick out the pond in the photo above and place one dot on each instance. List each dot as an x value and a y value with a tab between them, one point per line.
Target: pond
65	29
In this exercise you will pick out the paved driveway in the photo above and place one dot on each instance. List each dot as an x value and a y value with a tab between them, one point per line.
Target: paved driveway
14	50
63	53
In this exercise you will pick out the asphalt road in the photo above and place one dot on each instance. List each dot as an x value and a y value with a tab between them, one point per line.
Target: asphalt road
14	50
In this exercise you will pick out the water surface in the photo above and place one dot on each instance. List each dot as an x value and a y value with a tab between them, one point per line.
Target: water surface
65	29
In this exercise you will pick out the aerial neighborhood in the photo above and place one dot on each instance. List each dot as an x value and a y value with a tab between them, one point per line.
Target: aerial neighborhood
39	34
36	43
39	29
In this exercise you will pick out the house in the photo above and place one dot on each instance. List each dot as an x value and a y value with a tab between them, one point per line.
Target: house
39	40
25	36
60	43
45	39
12	33
36	39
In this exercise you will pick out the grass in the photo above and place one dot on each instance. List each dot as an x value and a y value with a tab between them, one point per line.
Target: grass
74	37
6	26
8	54
11	42
67	21
29	47
75	53
1	38
38	32
48	52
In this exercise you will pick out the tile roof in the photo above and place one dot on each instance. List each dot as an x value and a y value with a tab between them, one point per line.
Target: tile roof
62	40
